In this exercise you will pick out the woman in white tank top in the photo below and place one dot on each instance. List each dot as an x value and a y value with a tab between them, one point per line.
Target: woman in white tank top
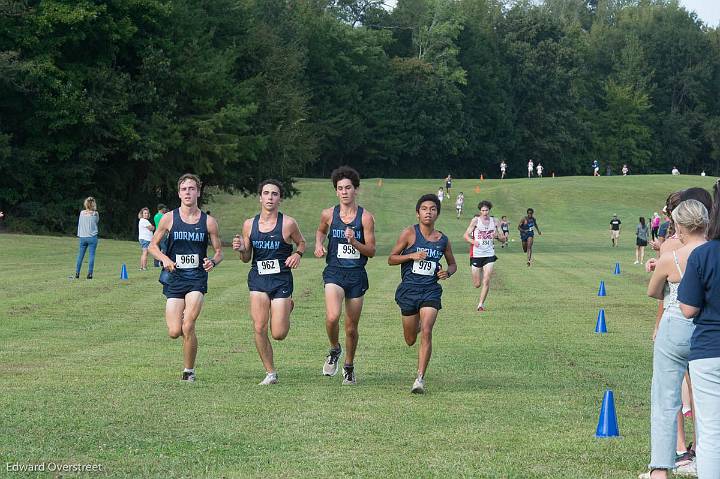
672	342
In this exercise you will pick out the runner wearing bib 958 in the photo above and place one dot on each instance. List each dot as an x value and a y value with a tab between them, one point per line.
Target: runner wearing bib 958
266	239
350	231
481	234
186	265
419	251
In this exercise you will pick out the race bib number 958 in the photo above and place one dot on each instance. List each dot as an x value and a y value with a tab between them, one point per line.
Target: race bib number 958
347	251
424	267
187	261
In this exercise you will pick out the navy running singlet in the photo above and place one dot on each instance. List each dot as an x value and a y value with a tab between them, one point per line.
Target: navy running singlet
423	272
187	245
342	254
269	249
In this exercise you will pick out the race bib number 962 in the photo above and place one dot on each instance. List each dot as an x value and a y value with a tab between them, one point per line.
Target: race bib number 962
187	261
347	251
424	267
268	266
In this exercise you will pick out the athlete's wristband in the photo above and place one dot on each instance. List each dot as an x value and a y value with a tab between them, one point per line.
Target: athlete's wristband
300	253
213	262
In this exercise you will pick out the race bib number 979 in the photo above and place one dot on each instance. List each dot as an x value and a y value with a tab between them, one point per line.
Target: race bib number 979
424	267
347	251
187	261
268	266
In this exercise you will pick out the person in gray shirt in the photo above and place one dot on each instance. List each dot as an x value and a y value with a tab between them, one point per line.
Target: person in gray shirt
87	232
642	240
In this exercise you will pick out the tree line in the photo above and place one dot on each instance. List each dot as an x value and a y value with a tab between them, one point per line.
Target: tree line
117	98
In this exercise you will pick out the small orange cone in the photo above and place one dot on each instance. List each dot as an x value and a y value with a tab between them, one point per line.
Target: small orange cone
482	177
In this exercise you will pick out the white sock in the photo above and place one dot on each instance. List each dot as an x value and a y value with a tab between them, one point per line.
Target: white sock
189	370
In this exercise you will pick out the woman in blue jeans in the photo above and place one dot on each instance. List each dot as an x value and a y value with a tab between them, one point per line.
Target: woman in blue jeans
699	296
88	234
672	342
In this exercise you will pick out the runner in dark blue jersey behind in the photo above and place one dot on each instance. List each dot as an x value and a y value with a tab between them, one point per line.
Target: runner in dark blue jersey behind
419	251
350	230
266	239
186	265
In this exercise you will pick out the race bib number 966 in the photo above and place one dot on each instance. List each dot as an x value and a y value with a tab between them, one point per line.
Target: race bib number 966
268	266
347	251
187	261
424	267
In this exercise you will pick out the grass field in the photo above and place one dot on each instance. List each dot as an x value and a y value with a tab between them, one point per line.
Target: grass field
88	374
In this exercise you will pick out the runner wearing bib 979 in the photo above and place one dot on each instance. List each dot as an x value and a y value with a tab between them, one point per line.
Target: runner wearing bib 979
186	265
419	251
350	231
266	239
481	234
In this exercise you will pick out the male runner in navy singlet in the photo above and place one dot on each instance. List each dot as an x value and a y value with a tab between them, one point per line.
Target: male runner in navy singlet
419	251
350	230
186	265
266	239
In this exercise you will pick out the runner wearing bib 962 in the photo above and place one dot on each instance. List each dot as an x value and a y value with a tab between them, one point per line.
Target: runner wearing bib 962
186	265
266	239
350	231
419	251
481	234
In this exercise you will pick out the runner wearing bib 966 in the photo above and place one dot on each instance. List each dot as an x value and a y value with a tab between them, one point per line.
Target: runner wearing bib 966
266	239
419	250
481	234
186	265
350	231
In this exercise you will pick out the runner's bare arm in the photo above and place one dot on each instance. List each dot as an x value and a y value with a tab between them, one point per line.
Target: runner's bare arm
452	265
154	248
296	236
241	242
469	231
407	237
367	249
321	233
214	233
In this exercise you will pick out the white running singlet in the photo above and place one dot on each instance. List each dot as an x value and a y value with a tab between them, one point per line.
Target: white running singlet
484	234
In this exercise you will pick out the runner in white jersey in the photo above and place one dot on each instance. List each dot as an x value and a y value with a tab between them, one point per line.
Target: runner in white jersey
531	167
459	202
539	168
503	169
481	234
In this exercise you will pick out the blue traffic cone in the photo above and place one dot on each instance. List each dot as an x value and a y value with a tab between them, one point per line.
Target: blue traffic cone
600	326
617	268
123	272
601	291
607	423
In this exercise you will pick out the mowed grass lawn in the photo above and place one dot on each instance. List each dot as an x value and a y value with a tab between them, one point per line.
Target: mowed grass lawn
88	374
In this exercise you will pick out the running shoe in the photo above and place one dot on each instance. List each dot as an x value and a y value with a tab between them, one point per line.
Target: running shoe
480	308
349	376
689	469
270	378
330	368
188	376
418	386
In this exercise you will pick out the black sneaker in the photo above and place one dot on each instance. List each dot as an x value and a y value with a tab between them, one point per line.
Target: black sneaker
330	367
188	376
349	376
89	276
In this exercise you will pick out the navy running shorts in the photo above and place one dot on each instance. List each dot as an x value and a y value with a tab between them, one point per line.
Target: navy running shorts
353	281
480	262
411	298
177	284
524	237
276	286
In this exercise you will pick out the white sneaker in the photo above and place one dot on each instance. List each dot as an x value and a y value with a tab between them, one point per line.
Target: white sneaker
636	262
270	378
418	386
689	469
330	366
